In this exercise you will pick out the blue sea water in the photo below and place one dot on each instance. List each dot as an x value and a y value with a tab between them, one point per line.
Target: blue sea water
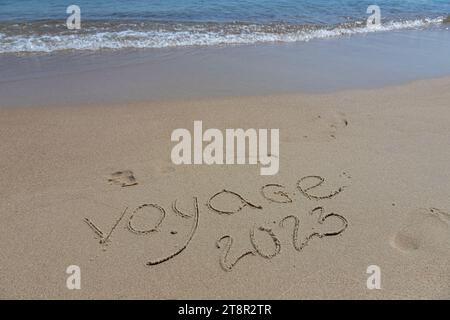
39	25
261	11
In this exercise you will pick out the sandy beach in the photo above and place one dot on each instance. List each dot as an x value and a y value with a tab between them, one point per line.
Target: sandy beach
377	160
224	150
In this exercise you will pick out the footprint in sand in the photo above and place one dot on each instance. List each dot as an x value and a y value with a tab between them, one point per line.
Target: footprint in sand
339	120
321	126
424	229
336	121
123	178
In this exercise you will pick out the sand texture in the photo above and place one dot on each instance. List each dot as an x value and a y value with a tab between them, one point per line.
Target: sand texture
364	180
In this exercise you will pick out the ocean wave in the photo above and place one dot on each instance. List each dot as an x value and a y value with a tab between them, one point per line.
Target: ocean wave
47	37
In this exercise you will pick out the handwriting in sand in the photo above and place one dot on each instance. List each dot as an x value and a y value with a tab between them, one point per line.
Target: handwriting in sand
273	193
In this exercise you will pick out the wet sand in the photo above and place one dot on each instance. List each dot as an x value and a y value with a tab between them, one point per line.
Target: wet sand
320	66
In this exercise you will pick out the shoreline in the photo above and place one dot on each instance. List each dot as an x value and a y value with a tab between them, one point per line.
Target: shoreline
225	150
123	34
319	66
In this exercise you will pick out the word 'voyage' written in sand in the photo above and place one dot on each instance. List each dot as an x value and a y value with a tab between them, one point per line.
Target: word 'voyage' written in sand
322	223
213	153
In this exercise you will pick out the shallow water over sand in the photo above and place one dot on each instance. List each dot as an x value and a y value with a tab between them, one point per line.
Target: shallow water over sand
367	61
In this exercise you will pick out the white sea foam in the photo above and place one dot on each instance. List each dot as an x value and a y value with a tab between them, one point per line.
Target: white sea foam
96	39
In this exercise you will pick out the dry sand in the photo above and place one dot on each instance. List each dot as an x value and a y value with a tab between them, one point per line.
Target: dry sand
387	149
